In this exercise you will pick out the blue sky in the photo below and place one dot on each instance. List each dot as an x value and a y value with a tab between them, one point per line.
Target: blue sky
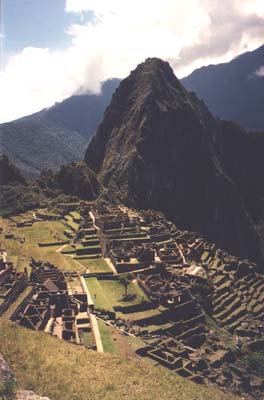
52	48
36	23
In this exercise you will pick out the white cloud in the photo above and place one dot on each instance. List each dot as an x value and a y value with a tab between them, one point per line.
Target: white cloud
260	71
37	77
119	36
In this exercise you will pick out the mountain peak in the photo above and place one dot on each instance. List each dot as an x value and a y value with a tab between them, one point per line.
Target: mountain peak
155	74
154	149
152	64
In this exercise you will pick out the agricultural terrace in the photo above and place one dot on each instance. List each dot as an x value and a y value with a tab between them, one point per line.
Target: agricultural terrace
25	241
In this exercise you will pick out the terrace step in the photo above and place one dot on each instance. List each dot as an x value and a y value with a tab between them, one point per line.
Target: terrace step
253	302
190	332
258	284
252	284
220	280
223	289
260	295
258	309
233	306
218	299
226	302
244	280
234	316
234	325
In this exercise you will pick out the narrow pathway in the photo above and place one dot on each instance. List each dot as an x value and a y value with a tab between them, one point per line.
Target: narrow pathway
85	289
111	265
61	248
181	253
93	219
96	332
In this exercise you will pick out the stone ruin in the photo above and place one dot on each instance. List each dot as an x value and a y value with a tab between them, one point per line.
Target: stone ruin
190	282
51	308
12	283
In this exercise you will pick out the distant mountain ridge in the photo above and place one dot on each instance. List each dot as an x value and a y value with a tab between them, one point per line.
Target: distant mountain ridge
34	145
233	90
83	112
57	135
159	147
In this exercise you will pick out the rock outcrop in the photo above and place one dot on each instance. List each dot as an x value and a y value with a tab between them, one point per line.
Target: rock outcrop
8	385
29	395
79	180
5	372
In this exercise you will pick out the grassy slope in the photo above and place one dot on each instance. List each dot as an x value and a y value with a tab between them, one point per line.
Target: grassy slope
109	345
64	371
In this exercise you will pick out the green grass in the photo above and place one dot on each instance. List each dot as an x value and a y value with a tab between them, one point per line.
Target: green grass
109	345
68	249
115	291
96	265
39	231
43	231
73	225
59	370
101	302
90	237
75	214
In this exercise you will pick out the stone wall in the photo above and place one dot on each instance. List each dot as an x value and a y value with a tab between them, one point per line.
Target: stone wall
17	287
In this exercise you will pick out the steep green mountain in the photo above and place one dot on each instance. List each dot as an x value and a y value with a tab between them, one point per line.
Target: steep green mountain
157	147
34	145
233	90
9	173
17	194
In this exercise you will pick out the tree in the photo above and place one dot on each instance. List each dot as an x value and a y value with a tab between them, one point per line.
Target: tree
125	281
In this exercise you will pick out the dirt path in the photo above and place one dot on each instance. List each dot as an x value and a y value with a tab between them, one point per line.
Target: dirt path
61	248
93	219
